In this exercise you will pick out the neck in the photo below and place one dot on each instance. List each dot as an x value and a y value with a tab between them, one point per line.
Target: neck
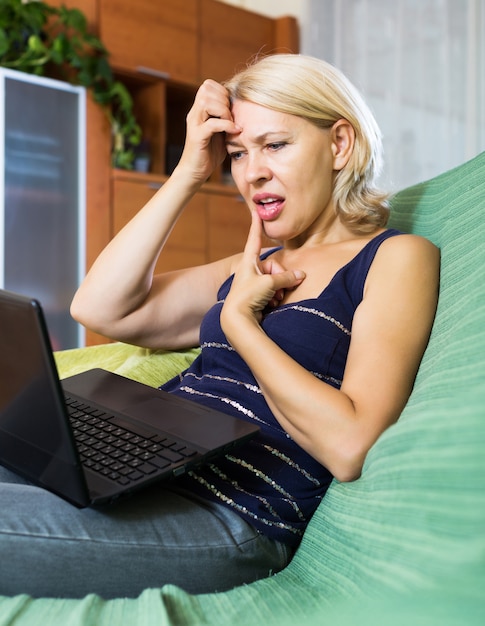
327	231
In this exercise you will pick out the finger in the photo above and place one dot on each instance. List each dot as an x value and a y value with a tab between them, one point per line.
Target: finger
217	126
270	266
252	249
277	298
213	100
289	279
218	93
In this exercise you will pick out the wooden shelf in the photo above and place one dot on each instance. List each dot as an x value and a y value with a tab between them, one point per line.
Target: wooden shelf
159	36
162	51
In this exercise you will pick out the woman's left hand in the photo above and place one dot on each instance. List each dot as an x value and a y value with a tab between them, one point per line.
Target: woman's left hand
256	285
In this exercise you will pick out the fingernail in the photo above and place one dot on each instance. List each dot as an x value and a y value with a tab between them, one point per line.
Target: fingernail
299	274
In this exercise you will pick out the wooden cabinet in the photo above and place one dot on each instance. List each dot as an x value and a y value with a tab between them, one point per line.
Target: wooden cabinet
229	220
145	35
224	51
230	37
162	51
188	242
150	107
190	41
214	224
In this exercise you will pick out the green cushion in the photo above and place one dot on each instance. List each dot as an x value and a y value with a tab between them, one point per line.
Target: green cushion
450	211
407	538
403	544
152	367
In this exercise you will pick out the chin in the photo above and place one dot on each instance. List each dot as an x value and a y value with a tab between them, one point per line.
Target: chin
273	234
277	233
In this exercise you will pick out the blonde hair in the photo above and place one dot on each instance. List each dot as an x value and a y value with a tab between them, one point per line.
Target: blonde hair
319	93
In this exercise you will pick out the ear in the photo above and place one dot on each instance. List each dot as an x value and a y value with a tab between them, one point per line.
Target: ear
343	140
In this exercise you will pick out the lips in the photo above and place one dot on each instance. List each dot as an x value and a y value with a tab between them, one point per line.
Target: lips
268	206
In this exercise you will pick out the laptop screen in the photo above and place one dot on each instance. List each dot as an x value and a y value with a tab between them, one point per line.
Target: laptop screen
34	437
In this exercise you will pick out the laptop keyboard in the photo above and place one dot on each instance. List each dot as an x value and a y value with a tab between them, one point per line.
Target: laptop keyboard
109	446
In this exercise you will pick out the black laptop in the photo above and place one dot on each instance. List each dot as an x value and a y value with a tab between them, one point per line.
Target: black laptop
96	436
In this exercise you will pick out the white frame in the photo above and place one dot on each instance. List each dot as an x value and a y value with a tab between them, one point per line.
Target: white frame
81	200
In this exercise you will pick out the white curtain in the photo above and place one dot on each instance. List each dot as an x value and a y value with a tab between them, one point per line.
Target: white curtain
420	64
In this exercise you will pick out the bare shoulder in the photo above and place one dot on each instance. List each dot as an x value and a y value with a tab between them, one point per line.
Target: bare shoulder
409	244
407	262
409	251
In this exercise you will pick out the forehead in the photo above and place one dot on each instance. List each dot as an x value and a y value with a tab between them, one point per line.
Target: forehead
245	107
255	119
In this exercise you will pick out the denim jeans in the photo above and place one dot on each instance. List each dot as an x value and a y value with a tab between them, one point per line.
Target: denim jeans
49	548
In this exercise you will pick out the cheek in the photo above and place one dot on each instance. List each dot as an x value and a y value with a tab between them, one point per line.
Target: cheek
244	188
317	178
238	177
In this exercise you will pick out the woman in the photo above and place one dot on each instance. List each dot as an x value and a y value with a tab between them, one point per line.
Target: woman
317	340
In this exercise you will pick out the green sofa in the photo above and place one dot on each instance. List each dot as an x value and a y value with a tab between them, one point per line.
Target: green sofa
404	544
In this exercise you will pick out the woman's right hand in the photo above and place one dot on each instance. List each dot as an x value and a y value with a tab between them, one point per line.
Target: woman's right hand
207	121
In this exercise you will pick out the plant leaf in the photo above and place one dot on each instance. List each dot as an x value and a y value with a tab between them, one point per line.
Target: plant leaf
35	44
3	42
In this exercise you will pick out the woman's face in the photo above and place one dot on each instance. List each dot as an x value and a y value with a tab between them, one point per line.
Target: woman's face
283	167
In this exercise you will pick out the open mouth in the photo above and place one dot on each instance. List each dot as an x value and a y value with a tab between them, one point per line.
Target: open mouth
269	207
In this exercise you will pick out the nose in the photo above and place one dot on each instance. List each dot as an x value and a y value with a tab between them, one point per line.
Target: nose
257	168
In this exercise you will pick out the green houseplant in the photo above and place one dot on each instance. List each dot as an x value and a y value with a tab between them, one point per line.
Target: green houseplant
55	41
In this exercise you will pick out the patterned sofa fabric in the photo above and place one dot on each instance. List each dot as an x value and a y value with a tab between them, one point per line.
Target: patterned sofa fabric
406	542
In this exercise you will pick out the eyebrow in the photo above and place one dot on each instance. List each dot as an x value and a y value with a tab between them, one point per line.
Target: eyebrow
258	139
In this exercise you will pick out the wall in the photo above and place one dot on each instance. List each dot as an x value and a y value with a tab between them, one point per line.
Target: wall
420	65
272	8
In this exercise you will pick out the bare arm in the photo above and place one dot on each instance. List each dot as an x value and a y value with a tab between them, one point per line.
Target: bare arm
120	297
389	334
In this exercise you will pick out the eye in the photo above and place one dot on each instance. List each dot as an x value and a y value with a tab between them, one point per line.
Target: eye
235	156
277	145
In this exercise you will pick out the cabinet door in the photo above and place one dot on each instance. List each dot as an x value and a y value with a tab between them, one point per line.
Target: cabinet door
159	36
187	243
230	37
229	222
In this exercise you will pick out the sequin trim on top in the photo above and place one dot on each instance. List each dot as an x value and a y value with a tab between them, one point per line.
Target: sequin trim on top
244	510
226	379
235	405
312	311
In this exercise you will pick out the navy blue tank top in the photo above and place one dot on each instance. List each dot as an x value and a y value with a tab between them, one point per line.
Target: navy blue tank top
271	481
